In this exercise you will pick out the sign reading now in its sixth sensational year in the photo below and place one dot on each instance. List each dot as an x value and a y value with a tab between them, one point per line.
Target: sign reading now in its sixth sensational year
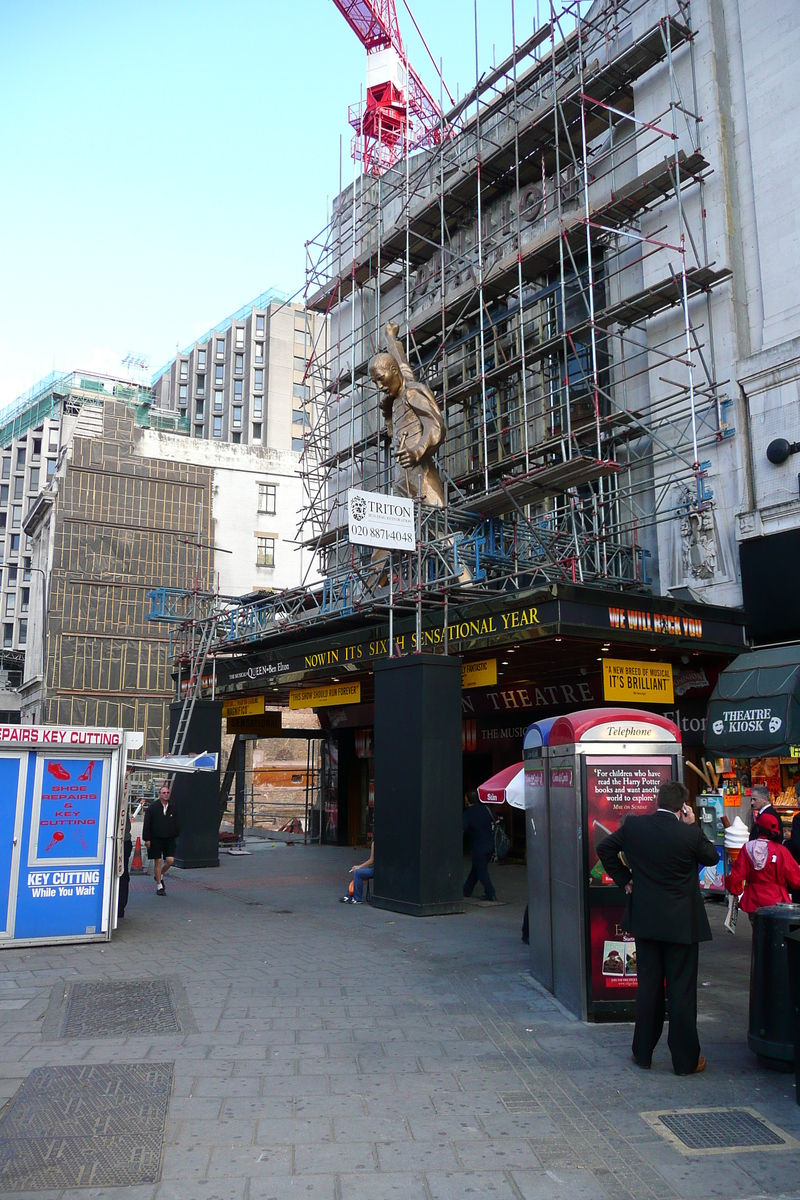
627	680
323	697
383	521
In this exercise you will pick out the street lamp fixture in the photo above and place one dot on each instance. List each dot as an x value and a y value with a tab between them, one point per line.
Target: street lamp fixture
779	450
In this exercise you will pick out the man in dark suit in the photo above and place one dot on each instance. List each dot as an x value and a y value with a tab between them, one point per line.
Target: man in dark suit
477	822
665	914
760	802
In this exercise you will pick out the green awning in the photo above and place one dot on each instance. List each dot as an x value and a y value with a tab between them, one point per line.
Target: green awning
755	707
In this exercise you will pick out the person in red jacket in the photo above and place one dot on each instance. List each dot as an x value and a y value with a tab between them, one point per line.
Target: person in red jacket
765	869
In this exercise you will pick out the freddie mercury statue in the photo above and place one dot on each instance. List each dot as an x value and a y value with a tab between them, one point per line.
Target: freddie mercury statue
414	422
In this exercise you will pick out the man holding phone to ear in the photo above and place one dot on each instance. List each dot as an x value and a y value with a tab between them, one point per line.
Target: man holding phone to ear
665	913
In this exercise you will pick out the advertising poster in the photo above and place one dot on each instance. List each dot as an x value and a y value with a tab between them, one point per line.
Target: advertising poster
70	810
613	954
712	879
615	789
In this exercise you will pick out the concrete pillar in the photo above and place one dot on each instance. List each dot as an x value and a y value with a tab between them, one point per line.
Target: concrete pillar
196	796
418	802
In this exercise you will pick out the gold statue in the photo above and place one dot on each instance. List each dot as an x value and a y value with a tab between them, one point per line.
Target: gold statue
414	422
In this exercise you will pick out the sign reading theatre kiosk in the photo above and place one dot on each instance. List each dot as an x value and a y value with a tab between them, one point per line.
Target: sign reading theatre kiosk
379	520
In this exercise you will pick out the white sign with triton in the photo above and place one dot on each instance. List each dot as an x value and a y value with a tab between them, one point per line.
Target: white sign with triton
379	520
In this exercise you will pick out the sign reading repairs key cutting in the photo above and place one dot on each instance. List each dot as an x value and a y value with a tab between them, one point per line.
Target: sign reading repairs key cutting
383	521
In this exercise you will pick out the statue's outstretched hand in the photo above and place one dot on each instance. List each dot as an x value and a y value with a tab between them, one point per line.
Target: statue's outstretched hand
392	328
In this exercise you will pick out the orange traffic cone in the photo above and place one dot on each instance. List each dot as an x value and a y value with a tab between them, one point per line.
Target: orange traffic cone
137	866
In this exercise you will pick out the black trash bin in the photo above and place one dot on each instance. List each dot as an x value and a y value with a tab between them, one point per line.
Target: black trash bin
793	953
771	1032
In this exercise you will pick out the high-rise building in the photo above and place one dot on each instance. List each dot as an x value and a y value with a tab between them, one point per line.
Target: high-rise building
245	380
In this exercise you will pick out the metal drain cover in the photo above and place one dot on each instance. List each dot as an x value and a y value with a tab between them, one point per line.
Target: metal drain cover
99	1008
519	1102
718	1130
75	1127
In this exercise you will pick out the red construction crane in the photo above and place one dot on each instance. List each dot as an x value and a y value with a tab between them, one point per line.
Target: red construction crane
399	108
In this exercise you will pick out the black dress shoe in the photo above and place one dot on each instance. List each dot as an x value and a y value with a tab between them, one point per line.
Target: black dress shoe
644	1066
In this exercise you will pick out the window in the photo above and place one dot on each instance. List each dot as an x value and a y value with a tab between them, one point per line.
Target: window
33	483
257	432
218	427
239	338
298	445
24	599
265	552
12	576
260	324
183	393
184	369
2	526
201	385
198	431
8	636
220	347
236	438
26	570
37	447
28	544
11	601
300	365
201	360
238	364
13	547
6	468
237	418
19	486
21	459
199	410
267	495
301	391
51	468
299	417
16	516
300	336
259	352
23	632
259	381
219	375
52	441
4	493
237	391
257	402
217	401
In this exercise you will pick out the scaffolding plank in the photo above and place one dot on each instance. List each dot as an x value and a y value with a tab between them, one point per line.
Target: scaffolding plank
519	490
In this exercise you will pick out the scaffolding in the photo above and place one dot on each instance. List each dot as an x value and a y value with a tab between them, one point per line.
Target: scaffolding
548	266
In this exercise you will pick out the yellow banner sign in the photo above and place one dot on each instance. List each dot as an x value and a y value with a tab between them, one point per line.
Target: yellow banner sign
248	706
626	680
266	724
479	674
323	697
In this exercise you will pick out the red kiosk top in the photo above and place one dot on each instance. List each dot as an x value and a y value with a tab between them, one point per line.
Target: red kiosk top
612	725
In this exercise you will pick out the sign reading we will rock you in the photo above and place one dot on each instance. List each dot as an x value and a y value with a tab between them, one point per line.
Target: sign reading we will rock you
383	521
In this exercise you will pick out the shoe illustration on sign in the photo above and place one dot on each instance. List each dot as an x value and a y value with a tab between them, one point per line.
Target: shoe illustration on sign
54	840
81	839
87	774
58	770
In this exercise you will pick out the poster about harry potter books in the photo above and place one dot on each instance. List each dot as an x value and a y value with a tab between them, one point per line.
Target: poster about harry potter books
617	788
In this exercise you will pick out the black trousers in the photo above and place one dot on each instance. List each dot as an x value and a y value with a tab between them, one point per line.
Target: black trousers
669	966
124	879
480	871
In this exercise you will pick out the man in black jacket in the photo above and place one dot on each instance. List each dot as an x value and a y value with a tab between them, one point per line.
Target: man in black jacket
760	802
477	822
665	914
159	833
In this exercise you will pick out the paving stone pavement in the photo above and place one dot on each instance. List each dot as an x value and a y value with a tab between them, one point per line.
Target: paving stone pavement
348	1053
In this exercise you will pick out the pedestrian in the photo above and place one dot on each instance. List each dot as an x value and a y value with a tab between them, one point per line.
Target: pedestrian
127	847
160	833
365	870
792	844
666	916
760	802
478	823
765	869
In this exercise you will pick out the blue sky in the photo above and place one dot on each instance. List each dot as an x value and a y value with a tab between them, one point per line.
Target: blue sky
165	161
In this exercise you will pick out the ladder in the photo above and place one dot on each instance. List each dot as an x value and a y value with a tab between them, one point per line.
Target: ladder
200	651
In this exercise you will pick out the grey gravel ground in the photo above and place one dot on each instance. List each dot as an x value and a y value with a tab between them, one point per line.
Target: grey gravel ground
346	1052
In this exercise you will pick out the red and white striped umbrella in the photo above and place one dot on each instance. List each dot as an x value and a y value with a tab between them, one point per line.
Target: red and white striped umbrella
506	787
